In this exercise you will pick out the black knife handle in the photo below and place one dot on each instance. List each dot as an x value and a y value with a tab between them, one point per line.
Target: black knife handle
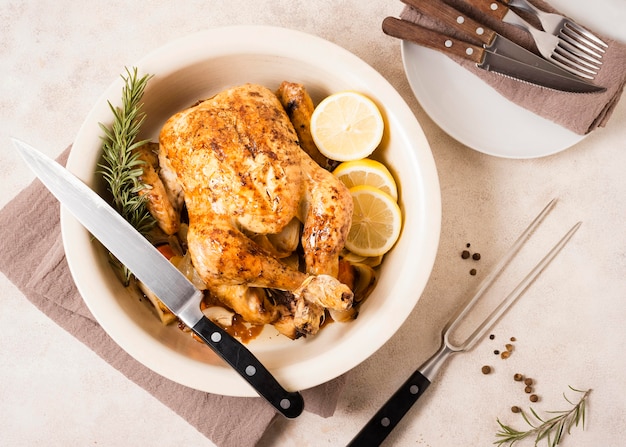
384	421
290	404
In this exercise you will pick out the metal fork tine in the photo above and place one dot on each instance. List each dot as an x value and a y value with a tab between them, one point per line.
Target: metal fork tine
499	310
584	58
521	287
494	274
581	41
590	38
571	64
566	64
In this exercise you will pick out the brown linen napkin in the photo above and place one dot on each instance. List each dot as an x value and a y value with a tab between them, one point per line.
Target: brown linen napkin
581	113
32	257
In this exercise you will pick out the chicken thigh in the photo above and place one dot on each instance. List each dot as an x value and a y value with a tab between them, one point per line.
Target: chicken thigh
242	172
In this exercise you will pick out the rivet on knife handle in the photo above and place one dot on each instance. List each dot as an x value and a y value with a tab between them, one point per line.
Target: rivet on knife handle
290	404
492	8
455	19
384	421
406	30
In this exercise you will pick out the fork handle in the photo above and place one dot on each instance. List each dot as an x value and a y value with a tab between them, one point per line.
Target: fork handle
384	421
390	414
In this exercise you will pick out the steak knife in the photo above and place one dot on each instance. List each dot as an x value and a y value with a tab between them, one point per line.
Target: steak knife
497	53
153	269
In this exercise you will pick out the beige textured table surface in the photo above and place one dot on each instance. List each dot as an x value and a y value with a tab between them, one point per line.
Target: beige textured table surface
57	58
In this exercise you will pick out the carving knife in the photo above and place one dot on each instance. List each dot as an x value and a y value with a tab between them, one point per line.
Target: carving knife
497	53
153	269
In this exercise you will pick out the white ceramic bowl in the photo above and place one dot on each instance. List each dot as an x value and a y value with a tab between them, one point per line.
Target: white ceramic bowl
197	67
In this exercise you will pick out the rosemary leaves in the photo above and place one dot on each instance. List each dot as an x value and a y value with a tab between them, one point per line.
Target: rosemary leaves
121	166
552	429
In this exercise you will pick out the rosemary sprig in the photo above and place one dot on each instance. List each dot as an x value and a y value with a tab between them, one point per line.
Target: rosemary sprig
121	166
552	430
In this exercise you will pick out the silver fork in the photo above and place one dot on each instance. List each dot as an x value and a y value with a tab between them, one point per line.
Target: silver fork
561	26
384	421
579	56
573	38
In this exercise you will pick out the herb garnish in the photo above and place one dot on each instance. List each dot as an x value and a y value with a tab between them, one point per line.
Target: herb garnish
551	429
121	166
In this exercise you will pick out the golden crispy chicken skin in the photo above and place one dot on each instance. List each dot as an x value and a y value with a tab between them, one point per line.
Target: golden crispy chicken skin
242	172
326	210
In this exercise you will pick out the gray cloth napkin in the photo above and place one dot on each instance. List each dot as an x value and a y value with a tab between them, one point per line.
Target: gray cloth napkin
581	113
32	257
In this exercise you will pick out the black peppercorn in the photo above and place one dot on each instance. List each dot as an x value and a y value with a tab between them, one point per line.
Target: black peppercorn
476	256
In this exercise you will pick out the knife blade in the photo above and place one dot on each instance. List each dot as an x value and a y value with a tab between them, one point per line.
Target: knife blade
153	269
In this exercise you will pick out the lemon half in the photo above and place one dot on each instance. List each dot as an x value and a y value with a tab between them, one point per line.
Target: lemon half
347	126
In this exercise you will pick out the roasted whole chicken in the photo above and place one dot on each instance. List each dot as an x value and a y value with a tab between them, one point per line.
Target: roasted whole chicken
248	187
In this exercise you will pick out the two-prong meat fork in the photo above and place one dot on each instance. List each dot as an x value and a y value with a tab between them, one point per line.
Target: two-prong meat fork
384	421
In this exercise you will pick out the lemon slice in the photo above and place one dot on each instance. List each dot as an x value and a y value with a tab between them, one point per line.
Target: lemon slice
367	172
347	126
376	222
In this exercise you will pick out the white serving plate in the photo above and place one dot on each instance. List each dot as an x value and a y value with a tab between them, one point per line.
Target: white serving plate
197	67
471	112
